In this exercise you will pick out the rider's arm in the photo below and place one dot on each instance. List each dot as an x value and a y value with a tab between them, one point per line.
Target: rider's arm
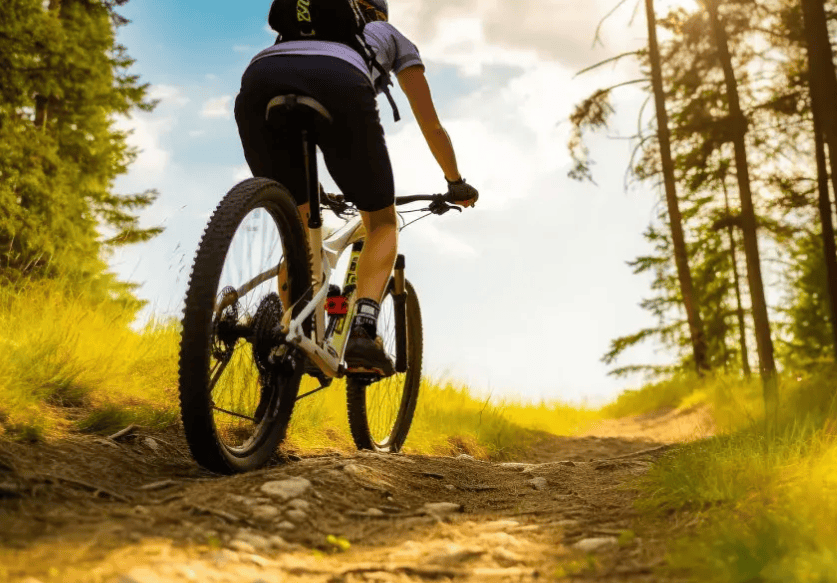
415	87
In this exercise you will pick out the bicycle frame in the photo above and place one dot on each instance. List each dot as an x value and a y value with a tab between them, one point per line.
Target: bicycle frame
327	356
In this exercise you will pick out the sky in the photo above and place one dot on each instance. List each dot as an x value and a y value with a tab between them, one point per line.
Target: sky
520	296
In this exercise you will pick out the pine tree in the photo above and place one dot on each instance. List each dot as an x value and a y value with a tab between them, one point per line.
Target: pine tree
63	78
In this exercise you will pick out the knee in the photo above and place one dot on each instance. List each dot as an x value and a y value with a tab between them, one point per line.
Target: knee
383	221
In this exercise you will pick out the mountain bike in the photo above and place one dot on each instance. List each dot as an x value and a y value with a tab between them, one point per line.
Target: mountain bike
260	312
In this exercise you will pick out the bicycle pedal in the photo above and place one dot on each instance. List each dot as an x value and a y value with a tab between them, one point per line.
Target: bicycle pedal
361	370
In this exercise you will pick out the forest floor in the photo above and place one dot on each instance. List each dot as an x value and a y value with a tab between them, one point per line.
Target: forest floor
137	509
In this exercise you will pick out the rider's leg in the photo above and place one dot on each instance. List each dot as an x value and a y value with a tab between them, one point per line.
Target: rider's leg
375	263
377	257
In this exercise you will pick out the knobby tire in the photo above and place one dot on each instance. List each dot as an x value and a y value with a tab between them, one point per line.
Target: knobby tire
199	331
381	412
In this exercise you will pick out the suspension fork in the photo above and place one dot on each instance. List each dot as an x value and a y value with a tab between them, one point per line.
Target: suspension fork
399	300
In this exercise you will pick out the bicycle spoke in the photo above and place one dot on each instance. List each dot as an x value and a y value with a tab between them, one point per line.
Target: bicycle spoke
253	419
251	269
216	372
235	404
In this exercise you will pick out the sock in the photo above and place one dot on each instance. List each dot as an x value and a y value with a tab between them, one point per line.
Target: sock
366	315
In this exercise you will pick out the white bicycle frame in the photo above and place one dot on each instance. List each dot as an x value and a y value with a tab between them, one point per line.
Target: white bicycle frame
325	255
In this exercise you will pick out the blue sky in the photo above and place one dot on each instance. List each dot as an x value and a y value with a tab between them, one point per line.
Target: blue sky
520	296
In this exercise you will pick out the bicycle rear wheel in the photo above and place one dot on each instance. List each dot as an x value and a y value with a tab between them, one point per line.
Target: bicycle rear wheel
381	410
237	391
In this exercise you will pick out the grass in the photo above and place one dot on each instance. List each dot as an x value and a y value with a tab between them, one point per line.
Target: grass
766	502
69	364
667	394
449	419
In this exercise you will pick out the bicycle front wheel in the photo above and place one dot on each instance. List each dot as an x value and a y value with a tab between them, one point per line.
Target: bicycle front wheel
238	383
381	410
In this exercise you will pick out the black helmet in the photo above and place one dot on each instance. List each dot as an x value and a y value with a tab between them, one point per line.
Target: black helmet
378	5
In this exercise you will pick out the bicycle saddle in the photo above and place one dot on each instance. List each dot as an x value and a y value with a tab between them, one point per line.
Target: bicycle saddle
296	109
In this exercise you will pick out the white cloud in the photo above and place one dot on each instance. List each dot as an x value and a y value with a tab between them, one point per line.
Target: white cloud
505	138
444	242
243	49
217	108
554	29
242	173
197	133
145	133
168	94
461	42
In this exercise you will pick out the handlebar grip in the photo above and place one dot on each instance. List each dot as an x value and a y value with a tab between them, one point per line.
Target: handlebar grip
418	197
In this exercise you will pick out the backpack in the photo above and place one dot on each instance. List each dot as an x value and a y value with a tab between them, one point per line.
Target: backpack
332	20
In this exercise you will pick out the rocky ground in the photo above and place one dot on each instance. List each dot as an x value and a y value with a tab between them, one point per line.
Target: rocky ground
136	509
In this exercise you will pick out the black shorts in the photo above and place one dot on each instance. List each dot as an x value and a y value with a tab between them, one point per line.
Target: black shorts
353	146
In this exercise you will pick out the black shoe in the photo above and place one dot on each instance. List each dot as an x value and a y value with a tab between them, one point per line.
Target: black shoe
363	354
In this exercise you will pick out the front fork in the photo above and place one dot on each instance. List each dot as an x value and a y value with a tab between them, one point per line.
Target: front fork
399	300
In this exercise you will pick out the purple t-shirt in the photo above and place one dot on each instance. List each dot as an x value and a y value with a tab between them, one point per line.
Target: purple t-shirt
393	50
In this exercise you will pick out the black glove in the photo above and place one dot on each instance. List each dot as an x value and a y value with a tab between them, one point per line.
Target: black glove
462	193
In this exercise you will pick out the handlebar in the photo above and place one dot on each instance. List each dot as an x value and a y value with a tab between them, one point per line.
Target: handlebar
439	203
399	200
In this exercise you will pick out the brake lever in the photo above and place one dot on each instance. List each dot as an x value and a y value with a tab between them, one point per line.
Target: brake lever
440	207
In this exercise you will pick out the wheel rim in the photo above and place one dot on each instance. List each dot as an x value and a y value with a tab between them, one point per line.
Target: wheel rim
235	380
385	398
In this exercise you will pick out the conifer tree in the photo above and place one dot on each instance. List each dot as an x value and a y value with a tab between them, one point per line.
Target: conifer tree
738	126
63	78
681	258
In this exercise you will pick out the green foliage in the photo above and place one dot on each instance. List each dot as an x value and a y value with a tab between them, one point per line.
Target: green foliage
770	61
62	80
713	287
807	340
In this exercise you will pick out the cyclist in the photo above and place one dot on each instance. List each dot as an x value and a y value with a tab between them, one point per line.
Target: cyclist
354	148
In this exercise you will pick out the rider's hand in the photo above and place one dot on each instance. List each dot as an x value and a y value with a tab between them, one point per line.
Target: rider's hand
462	193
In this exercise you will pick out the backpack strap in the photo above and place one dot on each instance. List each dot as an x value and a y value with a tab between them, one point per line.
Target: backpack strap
385	78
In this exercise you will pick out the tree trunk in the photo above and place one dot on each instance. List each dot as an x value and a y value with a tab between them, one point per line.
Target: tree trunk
681	257
42	101
41	111
764	343
823	85
742	329
829	250
823	79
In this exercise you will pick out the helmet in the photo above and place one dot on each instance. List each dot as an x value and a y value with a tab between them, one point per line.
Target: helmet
380	6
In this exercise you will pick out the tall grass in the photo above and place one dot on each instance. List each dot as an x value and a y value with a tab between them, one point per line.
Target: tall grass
71	364
449	419
767	502
66	360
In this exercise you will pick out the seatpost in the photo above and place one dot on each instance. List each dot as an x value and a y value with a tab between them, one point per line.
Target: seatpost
315	223
312	182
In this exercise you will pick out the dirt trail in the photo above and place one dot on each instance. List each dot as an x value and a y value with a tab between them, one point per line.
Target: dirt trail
138	510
